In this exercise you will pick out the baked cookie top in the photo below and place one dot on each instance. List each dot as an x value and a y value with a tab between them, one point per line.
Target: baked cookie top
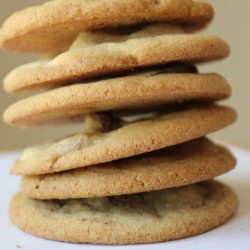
140	218
55	24
98	54
178	165
85	149
145	91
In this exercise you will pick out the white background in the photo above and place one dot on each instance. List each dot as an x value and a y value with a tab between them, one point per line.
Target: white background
235	234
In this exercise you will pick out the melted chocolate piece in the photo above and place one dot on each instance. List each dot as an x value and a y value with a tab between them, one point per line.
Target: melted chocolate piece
173	67
107	120
125	29
154	111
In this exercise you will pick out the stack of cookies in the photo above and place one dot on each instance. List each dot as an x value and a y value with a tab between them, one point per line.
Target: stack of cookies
140	170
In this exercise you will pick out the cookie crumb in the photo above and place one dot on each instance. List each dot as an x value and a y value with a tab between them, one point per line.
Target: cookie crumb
18	246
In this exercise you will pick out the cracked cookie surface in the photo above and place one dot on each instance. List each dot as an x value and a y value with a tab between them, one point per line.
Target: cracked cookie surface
96	55
129	140
140	218
178	165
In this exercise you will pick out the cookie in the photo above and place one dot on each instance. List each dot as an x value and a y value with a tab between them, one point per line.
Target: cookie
123	93
54	25
141	218
179	165
96	55
132	139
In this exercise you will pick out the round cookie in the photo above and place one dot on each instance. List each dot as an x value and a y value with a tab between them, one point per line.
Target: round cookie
132	139
141	218
95	55
178	165
123	93
54	25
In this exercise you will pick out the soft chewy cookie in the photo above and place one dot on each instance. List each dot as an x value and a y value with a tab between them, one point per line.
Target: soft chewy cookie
179	165
142	218
131	139
98	54
54	25
123	93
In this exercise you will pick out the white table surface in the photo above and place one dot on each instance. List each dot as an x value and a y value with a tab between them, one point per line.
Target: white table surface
235	234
